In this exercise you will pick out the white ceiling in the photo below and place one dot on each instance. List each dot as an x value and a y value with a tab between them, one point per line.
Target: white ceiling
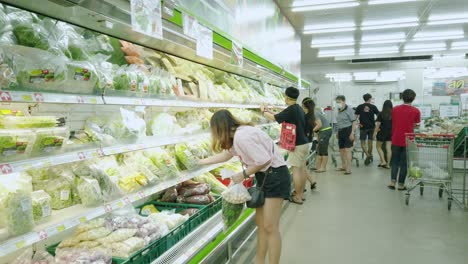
369	29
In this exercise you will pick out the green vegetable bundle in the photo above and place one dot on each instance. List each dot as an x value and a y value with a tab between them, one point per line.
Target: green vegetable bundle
230	213
164	161
41	205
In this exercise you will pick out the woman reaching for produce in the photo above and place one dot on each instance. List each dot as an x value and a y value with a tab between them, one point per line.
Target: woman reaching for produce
258	153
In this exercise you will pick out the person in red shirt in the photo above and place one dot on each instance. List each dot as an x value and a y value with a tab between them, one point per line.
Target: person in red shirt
404	118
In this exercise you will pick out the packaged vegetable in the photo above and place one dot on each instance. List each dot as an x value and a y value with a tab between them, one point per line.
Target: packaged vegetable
15	122
199	189
107	171
81	77
190	211
170	196
165	125
94	234
127	247
216	186
148	209
118	235
88	244
80	256
16	144
16	204
60	191
185	158
35	69
30	256
164	161
144	165
69	242
49	140
93	224
169	218
41	205
230	213
236	194
89	191
196	199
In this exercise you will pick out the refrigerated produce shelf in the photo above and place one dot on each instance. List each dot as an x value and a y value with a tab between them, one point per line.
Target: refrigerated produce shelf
70	217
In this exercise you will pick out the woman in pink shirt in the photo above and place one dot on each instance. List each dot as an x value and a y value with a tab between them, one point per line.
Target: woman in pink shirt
260	156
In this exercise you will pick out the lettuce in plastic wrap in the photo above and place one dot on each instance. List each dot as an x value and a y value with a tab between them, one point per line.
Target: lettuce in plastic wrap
41	205
164	124
89	191
164	161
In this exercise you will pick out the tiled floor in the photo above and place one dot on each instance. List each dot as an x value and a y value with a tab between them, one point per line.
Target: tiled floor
356	219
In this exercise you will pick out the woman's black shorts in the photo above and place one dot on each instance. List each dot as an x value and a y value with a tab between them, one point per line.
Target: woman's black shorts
324	141
278	182
384	136
343	137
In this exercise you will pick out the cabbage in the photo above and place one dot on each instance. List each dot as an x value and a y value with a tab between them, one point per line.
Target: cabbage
164	124
89	191
164	161
415	172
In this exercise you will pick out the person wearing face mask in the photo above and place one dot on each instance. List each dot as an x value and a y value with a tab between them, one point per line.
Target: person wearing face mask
345	123
366	114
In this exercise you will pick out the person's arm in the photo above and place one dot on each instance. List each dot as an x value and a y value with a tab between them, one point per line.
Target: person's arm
377	127
218	158
283	116
318	125
417	121
353	126
239	177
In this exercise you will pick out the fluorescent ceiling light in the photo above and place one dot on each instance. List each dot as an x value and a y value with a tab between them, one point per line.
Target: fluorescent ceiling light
329	30
370	42
329	26
377	49
389	21
316	6
378	53
335	55
332	45
460	45
335	52
328	41
448	22
399	35
423	34
423	50
447	16
393	73
401	25
425	46
363	76
438	38
381	2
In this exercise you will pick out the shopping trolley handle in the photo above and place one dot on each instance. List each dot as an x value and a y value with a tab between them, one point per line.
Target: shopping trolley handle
413	135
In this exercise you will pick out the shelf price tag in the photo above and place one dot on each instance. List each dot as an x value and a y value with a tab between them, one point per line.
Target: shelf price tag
81	155
108	208
20	244
80	99
127	200
6	168
146	17
60	228
39	97
93	101
5	96
141	194
205	42
42	235
83	219
27	97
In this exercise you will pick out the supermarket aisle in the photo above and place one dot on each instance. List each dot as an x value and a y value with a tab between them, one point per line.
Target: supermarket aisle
358	220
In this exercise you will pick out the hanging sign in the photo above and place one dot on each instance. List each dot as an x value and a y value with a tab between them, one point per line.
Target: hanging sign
426	110
237	54
449	110
205	42
450	86
146	17
190	26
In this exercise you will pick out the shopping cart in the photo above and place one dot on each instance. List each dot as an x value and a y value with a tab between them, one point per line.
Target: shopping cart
430	163
312	155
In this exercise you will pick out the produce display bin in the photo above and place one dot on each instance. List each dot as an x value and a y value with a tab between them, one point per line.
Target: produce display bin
158	247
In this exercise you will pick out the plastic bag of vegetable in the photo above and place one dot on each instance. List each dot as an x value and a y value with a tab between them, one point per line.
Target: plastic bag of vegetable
164	161
81	77
127	247
185	157
216	186
143	165
35	69
30	256
118	235
27	31
164	124
79	256
41	205
89	191
107	172
15	204
234	199
169	218
196	199
199	189
170	196
15	144
230	213
49	140
60	191
13	122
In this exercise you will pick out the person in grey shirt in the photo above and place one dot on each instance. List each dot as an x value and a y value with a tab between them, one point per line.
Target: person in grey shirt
345	123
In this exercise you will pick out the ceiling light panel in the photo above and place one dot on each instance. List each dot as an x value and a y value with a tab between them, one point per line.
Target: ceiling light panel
344	44
371	42
377	49
425	46
389	21
399	35
324	6
382	2
329	28
436	17
423	34
448	22
423	50
336	51
332	40
439	38
401	25
460	45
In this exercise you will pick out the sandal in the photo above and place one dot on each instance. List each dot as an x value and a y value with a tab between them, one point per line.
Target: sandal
319	171
293	199
347	173
391	187
313	186
294	194
340	169
386	167
402	188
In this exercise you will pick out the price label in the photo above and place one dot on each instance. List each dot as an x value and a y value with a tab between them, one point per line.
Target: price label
42	235
93	101
6	168
83	219
127	200
120	204
141	194
27	97
108	208
452	110
20	244
38	97
60	228
81	156
80	99
100	152
426	111
5	96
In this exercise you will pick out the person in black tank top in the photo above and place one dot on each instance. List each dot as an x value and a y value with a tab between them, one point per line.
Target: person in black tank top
383	134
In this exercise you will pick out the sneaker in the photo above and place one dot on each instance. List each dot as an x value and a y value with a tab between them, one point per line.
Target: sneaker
367	161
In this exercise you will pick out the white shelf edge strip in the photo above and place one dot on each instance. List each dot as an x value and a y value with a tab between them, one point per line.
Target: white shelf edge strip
39	97
30	238
81	155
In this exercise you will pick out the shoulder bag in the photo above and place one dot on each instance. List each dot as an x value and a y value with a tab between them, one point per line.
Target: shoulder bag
256	192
